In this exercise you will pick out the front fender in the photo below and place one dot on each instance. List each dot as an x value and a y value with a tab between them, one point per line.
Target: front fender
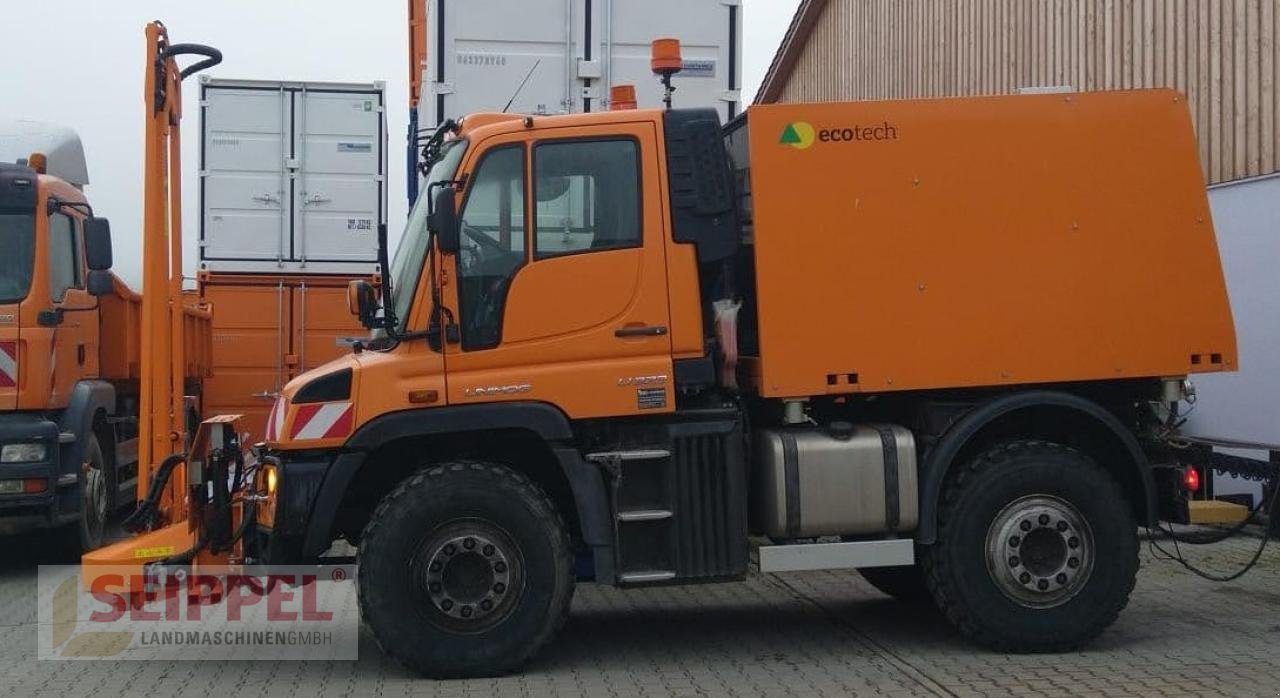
326	490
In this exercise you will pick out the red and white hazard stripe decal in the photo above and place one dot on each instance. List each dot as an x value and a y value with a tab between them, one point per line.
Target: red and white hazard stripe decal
328	421
8	364
275	420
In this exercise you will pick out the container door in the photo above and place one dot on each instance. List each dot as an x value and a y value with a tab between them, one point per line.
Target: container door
252	350
244	182
709	34
338	199
323	327
478	60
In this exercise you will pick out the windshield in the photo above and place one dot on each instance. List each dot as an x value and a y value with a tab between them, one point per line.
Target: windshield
18	240
411	254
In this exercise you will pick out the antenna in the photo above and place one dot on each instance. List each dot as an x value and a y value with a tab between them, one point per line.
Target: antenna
522	84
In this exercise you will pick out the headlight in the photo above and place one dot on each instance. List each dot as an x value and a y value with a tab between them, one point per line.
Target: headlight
22	453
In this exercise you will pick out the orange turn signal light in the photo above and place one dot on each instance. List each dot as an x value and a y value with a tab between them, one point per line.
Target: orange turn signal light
34	485
622	97
665	58
39	162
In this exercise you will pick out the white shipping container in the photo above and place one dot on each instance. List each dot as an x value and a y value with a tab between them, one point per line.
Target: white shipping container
292	176
479	51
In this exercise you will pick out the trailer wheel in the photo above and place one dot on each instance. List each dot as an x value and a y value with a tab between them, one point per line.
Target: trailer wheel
96	489
904	583
1037	548
465	571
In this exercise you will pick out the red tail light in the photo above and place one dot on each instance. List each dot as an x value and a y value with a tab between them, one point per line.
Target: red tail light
1191	480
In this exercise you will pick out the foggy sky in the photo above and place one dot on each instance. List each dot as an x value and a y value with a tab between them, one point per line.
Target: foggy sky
78	63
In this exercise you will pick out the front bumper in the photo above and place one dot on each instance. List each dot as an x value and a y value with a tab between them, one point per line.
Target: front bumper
59	503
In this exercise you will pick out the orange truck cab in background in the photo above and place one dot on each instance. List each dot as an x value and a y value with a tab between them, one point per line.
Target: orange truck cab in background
881	335
70	362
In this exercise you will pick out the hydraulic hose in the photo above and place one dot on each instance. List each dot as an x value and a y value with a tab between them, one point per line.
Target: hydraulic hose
142	517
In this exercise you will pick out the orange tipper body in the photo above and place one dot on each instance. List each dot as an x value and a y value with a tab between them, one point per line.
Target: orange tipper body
974	242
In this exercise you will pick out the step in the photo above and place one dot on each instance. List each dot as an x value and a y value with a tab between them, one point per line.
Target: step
646	577
641	454
632	515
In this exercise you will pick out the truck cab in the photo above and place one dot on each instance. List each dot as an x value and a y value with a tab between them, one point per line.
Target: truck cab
69	345
49	338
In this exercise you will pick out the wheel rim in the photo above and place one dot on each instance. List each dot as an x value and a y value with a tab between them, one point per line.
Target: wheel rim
470	575
1040	551
94	499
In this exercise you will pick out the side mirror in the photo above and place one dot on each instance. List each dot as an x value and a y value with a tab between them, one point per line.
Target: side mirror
97	244
444	220
362	301
100	283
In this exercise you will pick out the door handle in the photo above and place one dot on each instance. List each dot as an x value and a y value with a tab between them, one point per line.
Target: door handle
640	331
266	199
316	199
265	395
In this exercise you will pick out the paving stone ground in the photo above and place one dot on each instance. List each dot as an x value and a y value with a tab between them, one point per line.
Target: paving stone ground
810	634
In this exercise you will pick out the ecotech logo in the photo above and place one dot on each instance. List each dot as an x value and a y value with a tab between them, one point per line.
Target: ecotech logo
801	135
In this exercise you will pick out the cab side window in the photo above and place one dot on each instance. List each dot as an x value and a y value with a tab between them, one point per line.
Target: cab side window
65	270
588	196
492	225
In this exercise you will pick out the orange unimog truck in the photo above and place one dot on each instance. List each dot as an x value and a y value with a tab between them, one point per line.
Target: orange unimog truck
70	339
942	342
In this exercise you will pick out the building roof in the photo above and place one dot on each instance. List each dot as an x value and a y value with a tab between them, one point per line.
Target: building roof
784	60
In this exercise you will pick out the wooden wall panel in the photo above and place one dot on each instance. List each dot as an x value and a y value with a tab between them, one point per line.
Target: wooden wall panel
1222	54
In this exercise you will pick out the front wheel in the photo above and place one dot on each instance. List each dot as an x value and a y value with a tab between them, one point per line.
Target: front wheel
97	490
1037	548
465	571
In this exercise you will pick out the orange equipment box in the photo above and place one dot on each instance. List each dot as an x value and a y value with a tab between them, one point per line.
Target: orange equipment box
267	329
948	243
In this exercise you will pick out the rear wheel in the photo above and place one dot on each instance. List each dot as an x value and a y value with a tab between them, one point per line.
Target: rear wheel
1037	548
465	571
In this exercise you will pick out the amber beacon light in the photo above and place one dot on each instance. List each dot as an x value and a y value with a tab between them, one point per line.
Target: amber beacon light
665	62
622	97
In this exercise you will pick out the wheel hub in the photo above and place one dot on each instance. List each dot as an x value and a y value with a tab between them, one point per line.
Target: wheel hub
471	574
1040	551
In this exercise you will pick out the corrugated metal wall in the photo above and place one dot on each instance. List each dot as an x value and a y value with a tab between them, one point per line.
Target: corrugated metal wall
1223	54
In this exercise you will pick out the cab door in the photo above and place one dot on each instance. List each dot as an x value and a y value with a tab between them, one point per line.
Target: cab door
559	289
73	352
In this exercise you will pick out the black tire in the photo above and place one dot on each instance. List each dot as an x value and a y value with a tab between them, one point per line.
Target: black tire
904	583
518	560
97	500
993	509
